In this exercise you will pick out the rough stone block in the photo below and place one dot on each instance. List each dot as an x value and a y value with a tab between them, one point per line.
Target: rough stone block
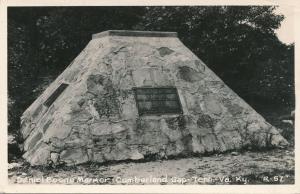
74	156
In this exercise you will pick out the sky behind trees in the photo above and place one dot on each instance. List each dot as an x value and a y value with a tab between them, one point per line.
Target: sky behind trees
286	31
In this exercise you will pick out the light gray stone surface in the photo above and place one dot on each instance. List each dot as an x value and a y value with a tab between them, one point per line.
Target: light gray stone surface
96	118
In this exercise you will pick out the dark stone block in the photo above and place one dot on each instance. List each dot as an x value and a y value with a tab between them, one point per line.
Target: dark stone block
205	121
188	74
163	51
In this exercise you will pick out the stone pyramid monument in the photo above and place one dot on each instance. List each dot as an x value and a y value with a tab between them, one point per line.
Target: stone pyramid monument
137	94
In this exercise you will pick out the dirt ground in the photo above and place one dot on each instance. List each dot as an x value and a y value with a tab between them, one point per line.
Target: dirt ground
264	167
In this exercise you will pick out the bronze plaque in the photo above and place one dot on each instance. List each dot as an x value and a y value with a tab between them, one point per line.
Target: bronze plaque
157	101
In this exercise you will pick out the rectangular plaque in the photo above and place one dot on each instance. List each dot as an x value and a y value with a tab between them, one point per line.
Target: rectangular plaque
157	101
55	94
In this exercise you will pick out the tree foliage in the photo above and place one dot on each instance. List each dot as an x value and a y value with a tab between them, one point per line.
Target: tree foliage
237	42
